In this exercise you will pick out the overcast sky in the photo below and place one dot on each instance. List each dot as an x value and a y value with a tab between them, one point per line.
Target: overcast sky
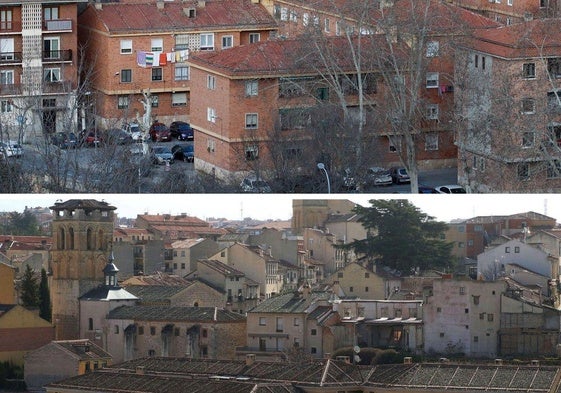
279	206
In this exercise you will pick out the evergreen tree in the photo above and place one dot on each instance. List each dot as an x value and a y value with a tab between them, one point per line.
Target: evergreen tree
23	223
44	297
402	237
29	289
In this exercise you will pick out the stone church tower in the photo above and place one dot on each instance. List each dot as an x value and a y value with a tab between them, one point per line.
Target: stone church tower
82	231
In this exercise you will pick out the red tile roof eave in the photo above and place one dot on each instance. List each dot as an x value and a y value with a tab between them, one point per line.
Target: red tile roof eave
266	74
116	33
508	52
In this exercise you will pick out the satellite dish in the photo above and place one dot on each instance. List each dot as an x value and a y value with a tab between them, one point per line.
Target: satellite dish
356	348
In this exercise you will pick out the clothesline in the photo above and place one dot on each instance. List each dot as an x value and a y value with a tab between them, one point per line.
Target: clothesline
157	59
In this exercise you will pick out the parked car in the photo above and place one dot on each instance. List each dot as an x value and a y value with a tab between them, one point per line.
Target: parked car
252	184
184	152
427	190
11	149
134	131
181	130
64	140
377	176
450	189
399	175
159	132
117	136
162	155
91	138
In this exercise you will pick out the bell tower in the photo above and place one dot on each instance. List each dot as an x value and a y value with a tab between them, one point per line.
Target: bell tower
82	230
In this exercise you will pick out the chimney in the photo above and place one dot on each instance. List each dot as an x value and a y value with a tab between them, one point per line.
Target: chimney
98	6
201	3
306	291
160	4
139	370
249	359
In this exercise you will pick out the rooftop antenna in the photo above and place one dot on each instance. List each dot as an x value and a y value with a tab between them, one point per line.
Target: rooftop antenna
545	207
241	210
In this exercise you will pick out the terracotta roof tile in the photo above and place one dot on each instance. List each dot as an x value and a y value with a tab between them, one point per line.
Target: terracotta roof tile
216	14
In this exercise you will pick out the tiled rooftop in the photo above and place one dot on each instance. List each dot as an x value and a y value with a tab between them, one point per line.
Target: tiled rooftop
173	314
122	17
84	349
289	303
165	375
86	204
155	293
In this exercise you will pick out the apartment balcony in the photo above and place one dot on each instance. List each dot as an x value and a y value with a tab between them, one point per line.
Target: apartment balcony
12	89
57	87
10	58
58	25
10	27
57	56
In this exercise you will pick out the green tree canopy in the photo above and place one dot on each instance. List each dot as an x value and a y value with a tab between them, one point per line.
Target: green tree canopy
23	224
402	237
29	289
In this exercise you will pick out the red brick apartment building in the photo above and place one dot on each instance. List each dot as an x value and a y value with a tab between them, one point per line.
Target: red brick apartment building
509	108
247	94
512	11
143	46
227	147
38	67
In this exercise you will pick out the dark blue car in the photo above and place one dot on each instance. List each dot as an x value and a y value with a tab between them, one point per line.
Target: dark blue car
184	152
181	130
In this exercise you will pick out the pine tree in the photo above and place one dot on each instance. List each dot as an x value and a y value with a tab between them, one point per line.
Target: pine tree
29	289
44	297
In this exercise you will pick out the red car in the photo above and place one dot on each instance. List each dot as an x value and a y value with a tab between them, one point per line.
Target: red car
160	132
92	138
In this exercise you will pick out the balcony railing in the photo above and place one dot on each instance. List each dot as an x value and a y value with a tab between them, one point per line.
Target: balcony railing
58	25
11	89
57	55
10	26
10	57
57	87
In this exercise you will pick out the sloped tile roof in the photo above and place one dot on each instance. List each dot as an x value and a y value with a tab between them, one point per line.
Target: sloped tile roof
171	314
221	268
155	293
289	303
536	38
216	14
83	349
289	57
86	204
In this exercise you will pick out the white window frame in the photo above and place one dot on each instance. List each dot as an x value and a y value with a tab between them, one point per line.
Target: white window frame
251	121
126	47
432	112
211	82
227	41
251	88
326	26
254	37
7	77
7	48
284	14
251	152
179	99
337	27
305	19
293	16
123	102
155	100
207	41
526	67
433	49
52	75
528	139
6	106
431	141
157	45
432	80
211	115
54	50
181	76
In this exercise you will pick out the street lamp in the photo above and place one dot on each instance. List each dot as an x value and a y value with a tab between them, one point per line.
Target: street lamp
321	166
